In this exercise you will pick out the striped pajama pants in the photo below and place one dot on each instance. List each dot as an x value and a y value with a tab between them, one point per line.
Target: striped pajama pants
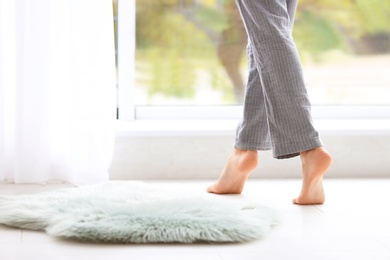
277	110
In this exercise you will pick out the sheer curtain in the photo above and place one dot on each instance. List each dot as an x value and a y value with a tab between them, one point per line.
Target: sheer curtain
57	90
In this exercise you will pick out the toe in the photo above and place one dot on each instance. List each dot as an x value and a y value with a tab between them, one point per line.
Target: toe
210	189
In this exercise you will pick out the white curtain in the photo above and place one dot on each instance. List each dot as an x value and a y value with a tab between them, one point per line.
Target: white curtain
57	90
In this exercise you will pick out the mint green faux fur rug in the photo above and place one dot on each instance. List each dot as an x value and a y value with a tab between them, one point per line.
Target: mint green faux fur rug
135	212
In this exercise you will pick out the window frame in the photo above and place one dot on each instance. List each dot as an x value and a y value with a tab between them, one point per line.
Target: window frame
125	59
129	111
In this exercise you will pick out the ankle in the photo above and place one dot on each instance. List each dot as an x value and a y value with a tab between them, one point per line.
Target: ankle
318	153
315	163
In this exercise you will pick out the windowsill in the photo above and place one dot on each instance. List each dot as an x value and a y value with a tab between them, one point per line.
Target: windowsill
176	128
227	127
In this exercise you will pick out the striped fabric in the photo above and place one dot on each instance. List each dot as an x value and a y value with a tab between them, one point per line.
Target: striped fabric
277	110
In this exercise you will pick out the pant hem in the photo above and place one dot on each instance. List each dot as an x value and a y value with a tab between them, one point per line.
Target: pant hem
293	150
283	153
261	147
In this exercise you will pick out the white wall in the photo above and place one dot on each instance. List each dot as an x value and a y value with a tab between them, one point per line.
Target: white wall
202	157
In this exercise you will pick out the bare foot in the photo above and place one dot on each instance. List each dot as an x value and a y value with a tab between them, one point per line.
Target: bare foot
235	173
314	165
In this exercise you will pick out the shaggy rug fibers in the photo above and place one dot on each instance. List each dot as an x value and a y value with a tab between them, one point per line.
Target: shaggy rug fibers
135	212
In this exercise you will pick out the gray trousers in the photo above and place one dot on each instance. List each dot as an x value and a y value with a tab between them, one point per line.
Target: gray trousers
277	110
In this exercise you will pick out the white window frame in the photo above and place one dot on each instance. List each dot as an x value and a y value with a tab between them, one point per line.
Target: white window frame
126	58
128	111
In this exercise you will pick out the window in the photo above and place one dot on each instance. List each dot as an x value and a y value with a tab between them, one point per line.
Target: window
192	53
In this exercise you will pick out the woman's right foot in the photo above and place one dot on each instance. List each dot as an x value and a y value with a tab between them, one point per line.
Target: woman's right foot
315	163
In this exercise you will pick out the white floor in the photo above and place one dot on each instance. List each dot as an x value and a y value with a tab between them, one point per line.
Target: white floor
352	224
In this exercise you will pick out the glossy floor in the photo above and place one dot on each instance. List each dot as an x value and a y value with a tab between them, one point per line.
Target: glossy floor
352	224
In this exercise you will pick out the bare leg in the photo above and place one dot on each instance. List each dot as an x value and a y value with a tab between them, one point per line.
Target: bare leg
314	165
235	173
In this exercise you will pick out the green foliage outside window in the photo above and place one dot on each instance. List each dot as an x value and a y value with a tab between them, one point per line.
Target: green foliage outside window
180	39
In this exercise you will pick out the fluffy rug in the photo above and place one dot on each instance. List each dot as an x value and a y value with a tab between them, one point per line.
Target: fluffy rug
135	212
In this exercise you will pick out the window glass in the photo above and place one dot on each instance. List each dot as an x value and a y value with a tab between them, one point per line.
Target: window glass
192	52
